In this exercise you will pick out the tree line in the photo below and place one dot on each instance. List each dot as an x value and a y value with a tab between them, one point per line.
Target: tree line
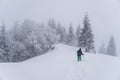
29	39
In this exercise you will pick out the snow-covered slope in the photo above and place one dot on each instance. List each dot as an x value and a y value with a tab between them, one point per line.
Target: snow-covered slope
61	64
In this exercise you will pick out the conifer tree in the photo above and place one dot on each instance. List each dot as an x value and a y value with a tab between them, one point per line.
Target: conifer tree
111	49
102	49
4	48
61	32
70	36
86	40
78	33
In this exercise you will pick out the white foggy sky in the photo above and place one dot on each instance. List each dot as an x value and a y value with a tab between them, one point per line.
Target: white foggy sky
104	14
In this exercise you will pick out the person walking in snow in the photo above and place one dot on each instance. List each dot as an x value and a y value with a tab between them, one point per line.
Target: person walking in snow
79	53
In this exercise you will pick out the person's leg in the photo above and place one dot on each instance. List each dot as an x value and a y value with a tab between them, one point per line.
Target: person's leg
78	58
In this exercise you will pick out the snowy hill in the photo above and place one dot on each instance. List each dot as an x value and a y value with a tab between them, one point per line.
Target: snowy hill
61	64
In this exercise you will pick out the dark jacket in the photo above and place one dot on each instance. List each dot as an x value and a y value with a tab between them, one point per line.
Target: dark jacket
79	52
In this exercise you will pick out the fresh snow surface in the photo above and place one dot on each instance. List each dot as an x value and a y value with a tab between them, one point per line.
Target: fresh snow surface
61	64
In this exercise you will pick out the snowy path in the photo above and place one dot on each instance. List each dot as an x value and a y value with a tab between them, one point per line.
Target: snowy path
61	64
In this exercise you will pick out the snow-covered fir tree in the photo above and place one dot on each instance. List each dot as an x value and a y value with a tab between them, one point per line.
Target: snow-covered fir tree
53	25
86	39
102	49
70	35
4	47
62	34
111	49
78	33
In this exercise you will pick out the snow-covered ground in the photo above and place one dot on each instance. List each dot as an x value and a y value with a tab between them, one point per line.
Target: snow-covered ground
61	64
